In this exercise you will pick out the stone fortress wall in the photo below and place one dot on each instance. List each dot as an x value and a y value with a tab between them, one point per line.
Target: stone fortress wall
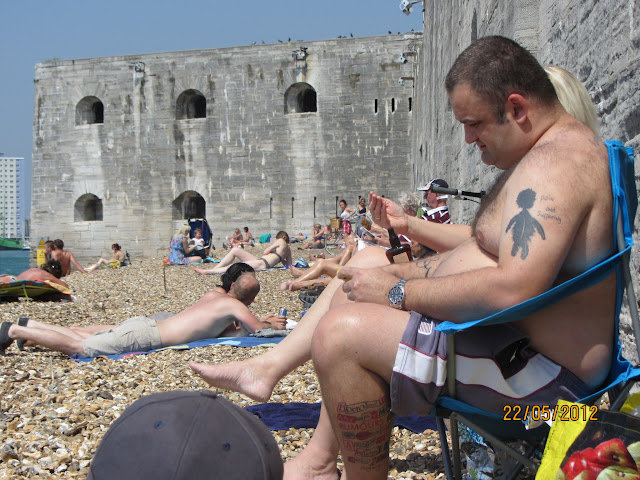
268	136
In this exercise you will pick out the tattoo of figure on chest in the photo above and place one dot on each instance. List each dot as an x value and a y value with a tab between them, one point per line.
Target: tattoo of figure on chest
426	265
523	226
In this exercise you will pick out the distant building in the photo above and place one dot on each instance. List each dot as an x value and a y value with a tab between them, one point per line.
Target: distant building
127	148
12	197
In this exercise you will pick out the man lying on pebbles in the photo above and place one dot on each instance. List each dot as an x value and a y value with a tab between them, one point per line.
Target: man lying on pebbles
213	315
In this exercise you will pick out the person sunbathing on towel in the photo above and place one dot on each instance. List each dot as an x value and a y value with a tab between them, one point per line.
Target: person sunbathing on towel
278	252
211	316
51	271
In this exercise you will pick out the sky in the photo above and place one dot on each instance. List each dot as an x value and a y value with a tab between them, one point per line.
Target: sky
34	31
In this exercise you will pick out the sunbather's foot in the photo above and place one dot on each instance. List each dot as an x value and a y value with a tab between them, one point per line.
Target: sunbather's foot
247	377
311	465
295	271
203	271
285	285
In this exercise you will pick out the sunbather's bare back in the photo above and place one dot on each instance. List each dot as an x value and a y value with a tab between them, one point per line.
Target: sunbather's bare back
209	317
39	274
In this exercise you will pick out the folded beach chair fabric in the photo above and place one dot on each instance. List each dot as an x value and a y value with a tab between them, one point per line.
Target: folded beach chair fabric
622	374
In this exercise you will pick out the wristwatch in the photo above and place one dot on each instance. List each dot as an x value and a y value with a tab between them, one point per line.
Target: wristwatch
396	295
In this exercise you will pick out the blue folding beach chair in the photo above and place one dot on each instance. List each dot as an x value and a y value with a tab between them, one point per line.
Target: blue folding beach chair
622	375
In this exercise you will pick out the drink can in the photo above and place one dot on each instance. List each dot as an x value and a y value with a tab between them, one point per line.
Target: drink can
282	312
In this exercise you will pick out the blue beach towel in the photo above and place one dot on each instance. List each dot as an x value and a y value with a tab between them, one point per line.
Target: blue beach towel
283	416
233	341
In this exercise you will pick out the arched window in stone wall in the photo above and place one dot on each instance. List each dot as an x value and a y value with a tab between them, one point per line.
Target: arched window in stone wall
89	110
189	204
191	104
300	98
88	208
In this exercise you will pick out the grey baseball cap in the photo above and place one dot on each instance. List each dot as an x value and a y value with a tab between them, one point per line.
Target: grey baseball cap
186	435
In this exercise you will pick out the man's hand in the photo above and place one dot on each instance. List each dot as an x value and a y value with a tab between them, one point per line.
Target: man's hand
387	214
277	322
369	285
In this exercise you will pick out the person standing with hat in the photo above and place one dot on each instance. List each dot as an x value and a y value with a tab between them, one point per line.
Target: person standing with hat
436	205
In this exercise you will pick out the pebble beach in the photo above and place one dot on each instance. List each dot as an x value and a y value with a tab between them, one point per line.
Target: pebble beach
54	410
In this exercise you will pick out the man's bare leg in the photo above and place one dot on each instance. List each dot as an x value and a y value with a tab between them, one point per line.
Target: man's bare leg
53	339
56	328
228	259
354	372
257	377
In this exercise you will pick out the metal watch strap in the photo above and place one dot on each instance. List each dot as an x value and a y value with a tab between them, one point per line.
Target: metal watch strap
399	287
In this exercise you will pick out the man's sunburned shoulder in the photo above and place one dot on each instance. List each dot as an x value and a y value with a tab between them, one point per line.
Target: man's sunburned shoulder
571	158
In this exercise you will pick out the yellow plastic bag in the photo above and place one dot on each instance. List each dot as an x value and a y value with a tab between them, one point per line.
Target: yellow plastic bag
586	443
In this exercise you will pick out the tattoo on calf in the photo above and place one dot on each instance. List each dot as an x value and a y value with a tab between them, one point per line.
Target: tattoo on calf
364	428
523	225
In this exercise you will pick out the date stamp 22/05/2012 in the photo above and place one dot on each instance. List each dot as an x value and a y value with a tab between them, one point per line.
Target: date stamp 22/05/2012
563	413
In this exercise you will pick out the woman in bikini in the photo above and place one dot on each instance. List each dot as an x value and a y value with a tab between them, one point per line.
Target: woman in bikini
277	252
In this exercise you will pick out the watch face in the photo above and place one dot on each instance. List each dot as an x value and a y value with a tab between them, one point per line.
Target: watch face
396	295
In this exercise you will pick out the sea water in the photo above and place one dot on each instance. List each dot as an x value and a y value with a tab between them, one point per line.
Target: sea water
13	262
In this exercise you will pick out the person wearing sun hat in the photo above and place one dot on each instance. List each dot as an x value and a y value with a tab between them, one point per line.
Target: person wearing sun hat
434	207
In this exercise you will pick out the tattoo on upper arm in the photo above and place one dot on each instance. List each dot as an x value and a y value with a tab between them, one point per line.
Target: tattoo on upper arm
523	225
549	212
